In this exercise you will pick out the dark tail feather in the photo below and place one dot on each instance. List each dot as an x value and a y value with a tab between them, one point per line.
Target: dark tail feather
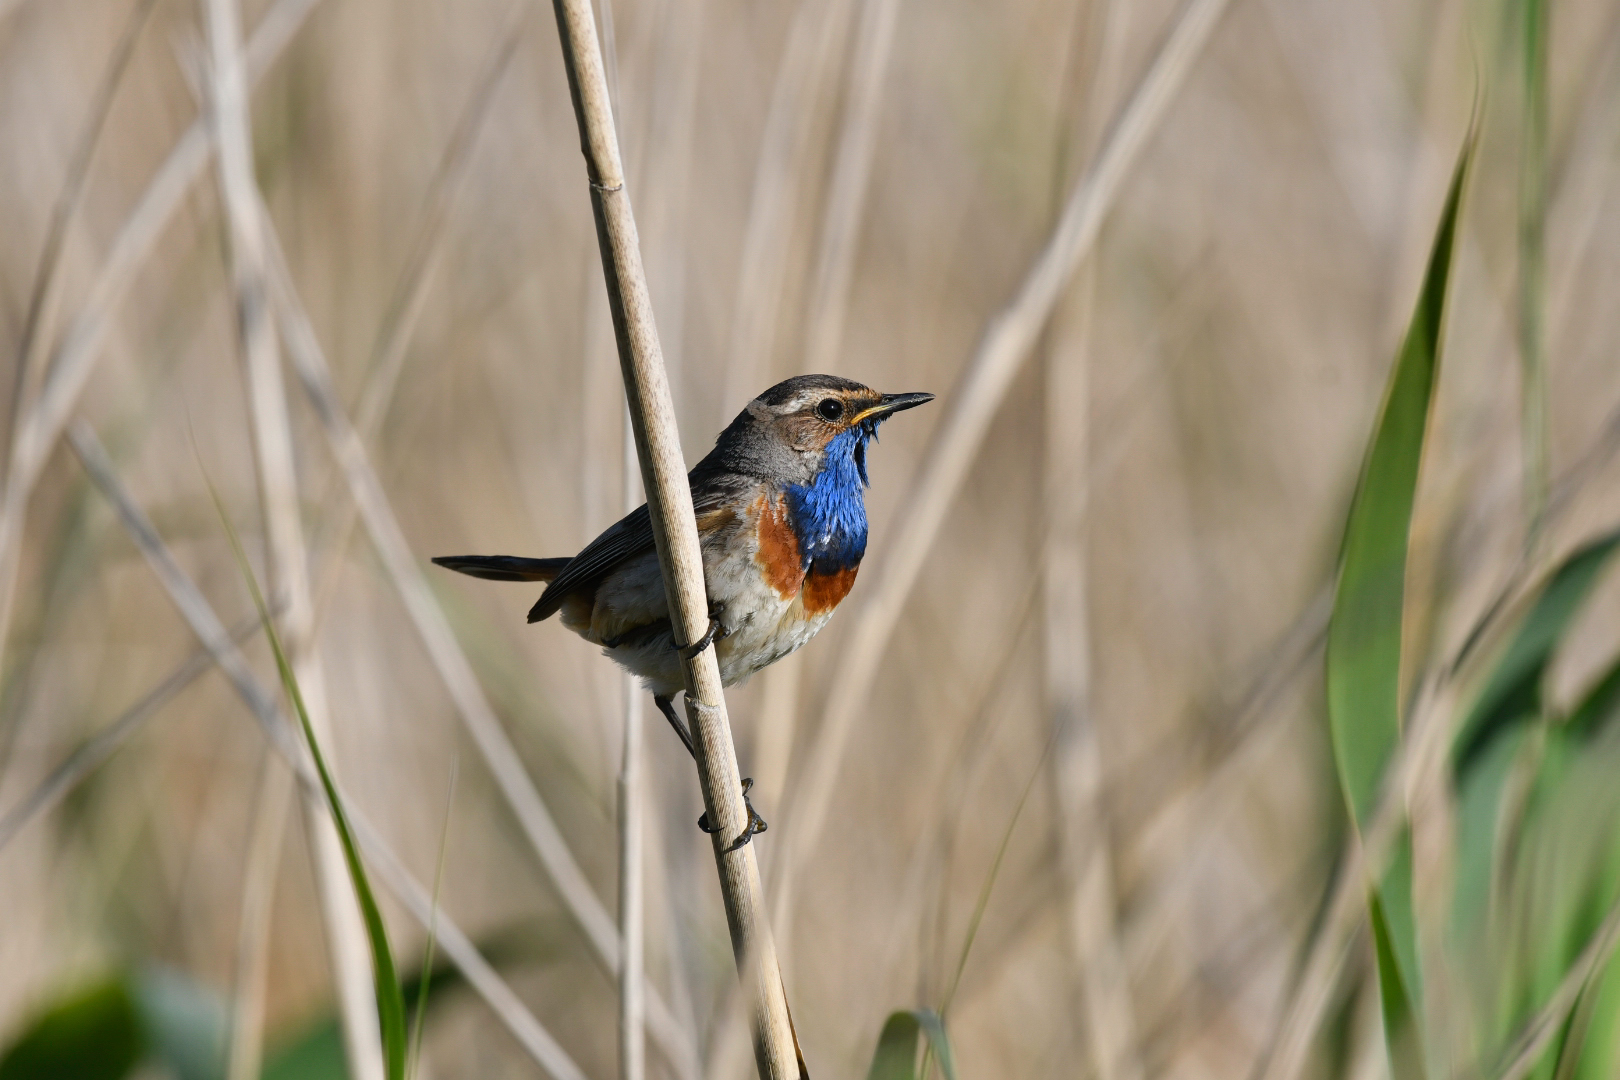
503	567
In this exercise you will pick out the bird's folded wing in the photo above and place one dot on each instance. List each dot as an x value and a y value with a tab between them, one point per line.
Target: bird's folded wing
628	538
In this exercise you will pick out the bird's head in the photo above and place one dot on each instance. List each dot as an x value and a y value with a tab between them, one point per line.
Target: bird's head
803	424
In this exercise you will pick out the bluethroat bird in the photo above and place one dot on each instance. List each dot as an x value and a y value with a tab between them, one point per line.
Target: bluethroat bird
782	518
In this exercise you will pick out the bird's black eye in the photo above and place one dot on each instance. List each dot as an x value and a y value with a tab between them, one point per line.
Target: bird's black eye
830	409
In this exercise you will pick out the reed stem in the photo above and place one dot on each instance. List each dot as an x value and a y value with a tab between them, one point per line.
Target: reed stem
663	471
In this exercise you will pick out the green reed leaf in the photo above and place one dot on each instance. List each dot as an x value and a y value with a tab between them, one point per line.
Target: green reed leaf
1364	636
1512	694
896	1054
390	996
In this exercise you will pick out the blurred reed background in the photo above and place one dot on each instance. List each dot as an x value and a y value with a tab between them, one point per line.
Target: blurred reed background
1089	809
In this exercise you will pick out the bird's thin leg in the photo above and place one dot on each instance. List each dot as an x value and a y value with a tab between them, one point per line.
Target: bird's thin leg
667	707
756	824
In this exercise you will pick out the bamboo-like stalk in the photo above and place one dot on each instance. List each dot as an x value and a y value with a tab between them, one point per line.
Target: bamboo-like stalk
802	83
1001	353
846	192
632	848
93	754
1429	732
410	295
1076	761
47	292
680	557
265	841
279	732
382	525
271	429
74	357
1532	270
766	253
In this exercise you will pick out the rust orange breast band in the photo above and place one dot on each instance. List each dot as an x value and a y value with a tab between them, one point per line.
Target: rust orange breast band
823	591
778	556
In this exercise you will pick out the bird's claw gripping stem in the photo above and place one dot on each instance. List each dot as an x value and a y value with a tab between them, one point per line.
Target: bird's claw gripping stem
756	824
714	633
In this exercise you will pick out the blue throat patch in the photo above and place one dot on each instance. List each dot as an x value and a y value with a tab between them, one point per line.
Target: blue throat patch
829	513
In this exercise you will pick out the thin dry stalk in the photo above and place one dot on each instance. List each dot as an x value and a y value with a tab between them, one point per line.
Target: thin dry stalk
680	557
803	83
1076	761
288	560
382	525
1366	857
1528	1050
411	292
1007	342
47	292
766	252
253	930
632	848
93	754
261	703
846	194
75	355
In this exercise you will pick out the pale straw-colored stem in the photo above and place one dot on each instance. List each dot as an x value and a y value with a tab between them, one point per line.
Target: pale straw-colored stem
40	320
1001	353
265	842
1076	762
804	80
411	292
261	703
632	845
1531	1045
632	897
75	355
93	754
846	192
669	498
445	653
271	429
1429	731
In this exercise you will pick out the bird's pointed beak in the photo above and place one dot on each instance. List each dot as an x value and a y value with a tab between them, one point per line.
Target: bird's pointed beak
893	403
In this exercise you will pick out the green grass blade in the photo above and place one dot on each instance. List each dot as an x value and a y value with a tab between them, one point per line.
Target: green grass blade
390	997
1513	691
1364	636
896	1054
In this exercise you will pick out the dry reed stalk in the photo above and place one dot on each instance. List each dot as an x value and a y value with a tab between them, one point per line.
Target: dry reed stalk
271	430
680	557
846	191
1429	731
803	84
1076	760
40	320
766	251
1528	1050
411	291
263	861
93	754
632	848
445	653
1001	352
75	354
279	731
